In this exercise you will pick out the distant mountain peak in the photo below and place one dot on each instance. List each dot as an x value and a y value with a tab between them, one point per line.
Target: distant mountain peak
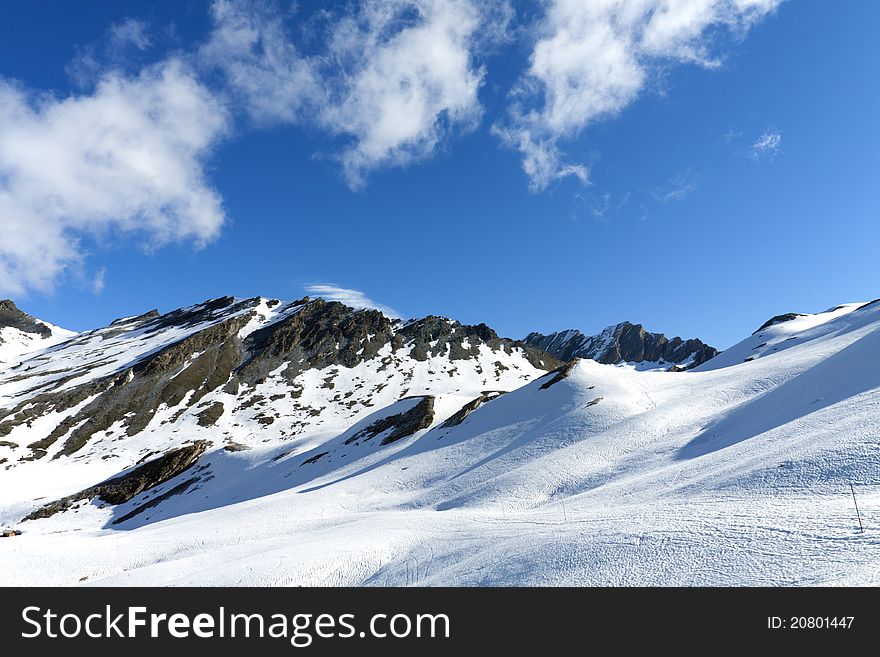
625	343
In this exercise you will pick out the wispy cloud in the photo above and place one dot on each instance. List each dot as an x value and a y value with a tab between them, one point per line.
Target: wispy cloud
731	135
120	48
130	32
350	297
268	77
767	145
679	187
127	158
590	60
98	281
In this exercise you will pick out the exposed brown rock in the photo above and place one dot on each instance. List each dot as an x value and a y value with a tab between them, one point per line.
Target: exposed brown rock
459	416
124	487
401	425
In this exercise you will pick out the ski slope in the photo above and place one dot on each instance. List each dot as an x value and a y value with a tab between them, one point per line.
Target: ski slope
735	473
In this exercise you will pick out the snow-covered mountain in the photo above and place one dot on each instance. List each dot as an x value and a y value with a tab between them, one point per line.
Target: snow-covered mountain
260	442
625	343
239	374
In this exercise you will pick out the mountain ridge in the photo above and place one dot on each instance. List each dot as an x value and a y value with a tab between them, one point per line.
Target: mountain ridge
195	358
625	343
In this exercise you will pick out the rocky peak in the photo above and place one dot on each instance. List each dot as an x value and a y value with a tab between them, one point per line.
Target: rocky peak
11	316
314	334
624	342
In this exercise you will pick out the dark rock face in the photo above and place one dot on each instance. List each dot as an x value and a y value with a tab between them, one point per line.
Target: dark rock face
778	319
156	501
449	337
124	487
138	319
462	341
11	316
323	333
210	415
624	342
320	334
401	425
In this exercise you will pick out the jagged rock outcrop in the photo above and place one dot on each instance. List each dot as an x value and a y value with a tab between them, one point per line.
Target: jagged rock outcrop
319	334
462	414
323	333
434	336
124	487
148	316
559	374
624	342
778	319
399	425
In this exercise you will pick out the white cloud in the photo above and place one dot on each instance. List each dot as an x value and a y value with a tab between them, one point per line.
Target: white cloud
126	158
542	160
407	81
590	60
264	70
767	145
353	298
130	32
390	79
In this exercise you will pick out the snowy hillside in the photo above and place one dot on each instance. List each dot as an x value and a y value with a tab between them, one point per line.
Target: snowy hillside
21	334
256	442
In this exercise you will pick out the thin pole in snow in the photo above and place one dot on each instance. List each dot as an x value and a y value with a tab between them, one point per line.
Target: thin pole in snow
564	514
856	504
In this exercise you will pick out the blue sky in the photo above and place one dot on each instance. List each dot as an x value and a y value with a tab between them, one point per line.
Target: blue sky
693	165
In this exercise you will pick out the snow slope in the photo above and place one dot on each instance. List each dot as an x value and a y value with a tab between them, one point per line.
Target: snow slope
16	345
735	473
